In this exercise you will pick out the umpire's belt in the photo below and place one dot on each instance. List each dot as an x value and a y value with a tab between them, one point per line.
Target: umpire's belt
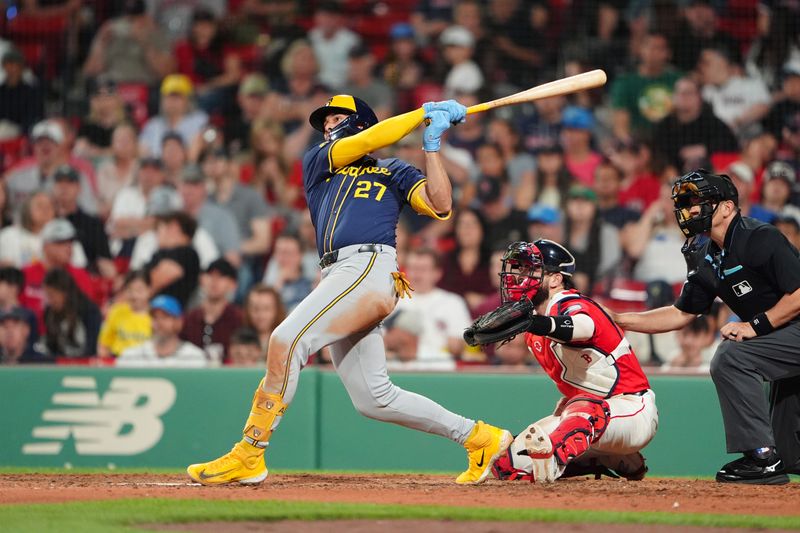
343	253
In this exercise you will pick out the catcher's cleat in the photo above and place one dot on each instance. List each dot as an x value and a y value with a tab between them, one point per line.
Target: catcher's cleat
539	448
243	464
484	446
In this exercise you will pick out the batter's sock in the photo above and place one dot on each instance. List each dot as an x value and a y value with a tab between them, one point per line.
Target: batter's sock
252	450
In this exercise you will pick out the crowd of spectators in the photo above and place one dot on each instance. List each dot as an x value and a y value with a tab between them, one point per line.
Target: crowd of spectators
151	204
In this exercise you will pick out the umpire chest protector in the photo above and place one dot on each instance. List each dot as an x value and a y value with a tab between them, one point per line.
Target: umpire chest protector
754	269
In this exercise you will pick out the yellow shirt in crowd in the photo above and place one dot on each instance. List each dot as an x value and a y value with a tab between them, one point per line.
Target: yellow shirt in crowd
124	328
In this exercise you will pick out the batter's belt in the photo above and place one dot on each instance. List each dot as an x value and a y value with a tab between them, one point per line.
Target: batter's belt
333	256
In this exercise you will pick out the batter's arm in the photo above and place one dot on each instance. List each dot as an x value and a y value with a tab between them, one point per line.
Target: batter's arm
384	133
436	193
659	320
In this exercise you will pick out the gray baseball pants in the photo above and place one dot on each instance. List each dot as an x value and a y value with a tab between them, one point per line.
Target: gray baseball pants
739	371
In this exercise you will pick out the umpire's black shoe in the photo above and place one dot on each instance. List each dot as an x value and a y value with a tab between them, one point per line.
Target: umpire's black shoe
754	471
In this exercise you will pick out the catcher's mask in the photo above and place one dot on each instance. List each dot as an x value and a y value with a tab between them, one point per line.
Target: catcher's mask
700	188
360	116
522	273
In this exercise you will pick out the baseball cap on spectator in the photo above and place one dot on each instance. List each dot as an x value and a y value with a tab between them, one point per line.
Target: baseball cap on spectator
15	313
457	36
192	174
58	230
153	162
489	190
741	171
782	170
577	118
402	30
543	214
66	173
167	304
48	129
222	267
254	85
582	193
177	84
13	55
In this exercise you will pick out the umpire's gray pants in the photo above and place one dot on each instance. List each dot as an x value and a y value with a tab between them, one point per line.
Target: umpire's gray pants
739	370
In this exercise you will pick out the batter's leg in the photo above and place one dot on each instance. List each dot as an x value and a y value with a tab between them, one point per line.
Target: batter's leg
360	361
353	295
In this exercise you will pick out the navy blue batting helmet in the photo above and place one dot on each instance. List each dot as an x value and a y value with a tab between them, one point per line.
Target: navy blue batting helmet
360	116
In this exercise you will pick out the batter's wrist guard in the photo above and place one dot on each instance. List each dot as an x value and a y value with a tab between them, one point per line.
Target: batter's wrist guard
761	324
265	409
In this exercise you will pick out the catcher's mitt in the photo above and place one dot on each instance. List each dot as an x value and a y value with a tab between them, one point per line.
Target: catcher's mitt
500	325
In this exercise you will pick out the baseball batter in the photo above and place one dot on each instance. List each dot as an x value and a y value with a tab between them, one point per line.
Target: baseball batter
355	201
608	412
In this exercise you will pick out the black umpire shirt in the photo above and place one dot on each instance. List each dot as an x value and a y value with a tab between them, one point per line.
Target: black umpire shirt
755	268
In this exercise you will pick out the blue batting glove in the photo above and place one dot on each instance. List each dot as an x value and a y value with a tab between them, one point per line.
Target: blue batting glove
457	112
439	123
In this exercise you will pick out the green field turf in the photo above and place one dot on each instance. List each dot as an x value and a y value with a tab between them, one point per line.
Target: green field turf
119	516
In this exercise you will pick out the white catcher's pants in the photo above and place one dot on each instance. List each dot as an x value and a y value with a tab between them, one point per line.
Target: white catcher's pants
344	312
633	424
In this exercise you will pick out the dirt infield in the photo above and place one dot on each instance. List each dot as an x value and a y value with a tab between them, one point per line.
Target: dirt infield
671	495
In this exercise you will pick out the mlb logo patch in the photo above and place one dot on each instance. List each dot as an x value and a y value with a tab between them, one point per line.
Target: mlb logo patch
742	288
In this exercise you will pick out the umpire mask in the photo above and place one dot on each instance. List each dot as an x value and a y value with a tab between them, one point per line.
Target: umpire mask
523	270
700	188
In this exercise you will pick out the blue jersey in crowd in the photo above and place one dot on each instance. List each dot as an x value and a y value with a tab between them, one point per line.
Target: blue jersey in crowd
359	203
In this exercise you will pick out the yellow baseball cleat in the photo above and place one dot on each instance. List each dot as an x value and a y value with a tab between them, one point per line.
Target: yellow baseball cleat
484	446
243	464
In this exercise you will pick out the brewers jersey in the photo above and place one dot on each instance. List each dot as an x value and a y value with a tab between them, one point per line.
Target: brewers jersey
359	203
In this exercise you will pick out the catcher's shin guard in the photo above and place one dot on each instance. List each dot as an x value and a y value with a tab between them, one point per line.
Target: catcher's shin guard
265	409
583	422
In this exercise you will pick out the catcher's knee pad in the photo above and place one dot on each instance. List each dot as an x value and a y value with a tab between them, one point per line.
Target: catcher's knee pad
505	469
583	422
265	409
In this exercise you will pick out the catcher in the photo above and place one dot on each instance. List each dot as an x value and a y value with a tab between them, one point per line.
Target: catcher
608	412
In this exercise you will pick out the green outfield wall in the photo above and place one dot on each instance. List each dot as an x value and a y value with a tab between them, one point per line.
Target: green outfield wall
96	417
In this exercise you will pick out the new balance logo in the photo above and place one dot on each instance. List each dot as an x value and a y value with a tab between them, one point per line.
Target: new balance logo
126	420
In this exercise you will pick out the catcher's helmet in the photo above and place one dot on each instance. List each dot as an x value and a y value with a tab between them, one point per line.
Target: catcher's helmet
706	190
555	257
360	116
522	273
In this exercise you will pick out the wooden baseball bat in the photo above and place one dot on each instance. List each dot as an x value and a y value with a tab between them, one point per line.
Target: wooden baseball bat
572	84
